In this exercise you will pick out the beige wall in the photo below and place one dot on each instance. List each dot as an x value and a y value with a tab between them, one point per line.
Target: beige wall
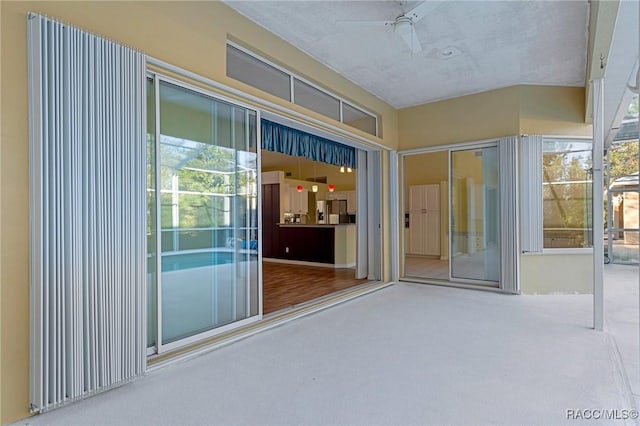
464	119
189	35
556	273
551	110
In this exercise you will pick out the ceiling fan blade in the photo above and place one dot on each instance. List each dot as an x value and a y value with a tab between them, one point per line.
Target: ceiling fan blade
367	23
411	39
422	10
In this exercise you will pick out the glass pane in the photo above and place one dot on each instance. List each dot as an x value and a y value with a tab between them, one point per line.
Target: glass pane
567	193
256	73
426	213
475	245
358	119
209	236
152	284
624	247
316	100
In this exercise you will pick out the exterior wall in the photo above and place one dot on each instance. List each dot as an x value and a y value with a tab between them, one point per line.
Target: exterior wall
546	110
556	273
555	111
469	118
550	110
191	35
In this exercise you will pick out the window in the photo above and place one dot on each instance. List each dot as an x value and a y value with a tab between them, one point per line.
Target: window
316	100
257	73
359	119
567	193
249	68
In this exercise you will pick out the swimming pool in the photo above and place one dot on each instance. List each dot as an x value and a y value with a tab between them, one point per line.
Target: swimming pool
181	261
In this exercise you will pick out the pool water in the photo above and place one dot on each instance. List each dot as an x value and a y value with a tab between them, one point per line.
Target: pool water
178	262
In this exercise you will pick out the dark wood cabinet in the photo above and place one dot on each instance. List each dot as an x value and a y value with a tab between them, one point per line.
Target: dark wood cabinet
270	219
308	244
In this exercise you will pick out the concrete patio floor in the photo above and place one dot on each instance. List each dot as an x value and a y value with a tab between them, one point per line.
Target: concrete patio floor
407	354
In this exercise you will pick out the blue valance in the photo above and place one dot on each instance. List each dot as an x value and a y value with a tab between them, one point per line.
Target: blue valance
286	140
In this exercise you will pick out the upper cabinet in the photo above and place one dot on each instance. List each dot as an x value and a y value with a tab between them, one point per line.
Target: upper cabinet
298	201
349	196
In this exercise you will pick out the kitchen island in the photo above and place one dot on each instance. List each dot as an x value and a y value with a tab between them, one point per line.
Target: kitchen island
329	245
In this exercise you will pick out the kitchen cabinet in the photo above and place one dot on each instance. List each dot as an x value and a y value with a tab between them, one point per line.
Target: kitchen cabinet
349	196
298	201
286	199
352	201
270	219
424	220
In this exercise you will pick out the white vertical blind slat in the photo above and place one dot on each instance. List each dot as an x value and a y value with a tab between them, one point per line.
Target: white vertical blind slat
88	230
509	232
531	194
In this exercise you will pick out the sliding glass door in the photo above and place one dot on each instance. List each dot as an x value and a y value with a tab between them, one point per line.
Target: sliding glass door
475	207
205	256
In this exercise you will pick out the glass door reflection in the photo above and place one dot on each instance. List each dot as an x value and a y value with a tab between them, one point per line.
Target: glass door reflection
475	242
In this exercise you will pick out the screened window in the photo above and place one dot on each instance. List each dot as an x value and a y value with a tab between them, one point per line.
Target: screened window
567	193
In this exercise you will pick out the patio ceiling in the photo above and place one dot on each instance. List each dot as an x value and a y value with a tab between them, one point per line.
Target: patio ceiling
495	44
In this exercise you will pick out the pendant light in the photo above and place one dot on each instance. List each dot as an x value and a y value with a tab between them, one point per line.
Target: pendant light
299	187
314	187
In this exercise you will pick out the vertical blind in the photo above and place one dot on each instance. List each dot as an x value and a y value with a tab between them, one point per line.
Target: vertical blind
531	193
87	184
508	181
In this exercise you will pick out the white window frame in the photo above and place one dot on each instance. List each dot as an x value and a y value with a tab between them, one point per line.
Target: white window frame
560	250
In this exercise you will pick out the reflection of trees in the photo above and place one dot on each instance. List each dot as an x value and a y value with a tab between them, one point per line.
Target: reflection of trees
209	180
567	190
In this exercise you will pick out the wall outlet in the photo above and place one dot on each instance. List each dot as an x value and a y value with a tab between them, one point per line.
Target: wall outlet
286	249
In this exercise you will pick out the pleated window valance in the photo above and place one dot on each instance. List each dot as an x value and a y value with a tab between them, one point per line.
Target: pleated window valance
289	141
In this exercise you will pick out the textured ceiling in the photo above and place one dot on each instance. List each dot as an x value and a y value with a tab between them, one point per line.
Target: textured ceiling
498	44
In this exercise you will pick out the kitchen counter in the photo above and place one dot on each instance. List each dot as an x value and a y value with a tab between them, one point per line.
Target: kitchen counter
316	243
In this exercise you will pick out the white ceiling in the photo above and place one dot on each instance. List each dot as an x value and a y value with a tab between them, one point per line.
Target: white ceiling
500	43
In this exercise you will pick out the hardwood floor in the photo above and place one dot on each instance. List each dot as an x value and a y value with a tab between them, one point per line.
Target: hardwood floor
286	285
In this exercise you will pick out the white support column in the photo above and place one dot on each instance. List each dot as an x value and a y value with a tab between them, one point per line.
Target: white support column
598	233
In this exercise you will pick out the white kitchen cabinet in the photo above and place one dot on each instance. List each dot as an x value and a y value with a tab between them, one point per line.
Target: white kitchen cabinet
298	201
352	201
286	198
424	220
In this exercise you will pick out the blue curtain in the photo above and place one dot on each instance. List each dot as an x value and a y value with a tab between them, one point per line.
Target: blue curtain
286	140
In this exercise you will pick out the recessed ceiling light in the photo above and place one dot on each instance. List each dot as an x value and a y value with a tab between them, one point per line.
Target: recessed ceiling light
448	52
